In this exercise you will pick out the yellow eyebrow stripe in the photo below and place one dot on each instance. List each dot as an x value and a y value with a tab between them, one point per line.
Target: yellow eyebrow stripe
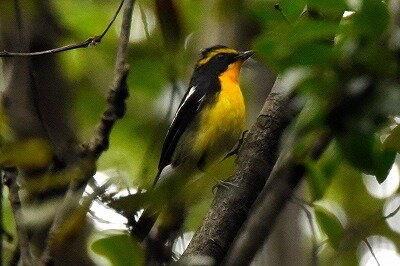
214	53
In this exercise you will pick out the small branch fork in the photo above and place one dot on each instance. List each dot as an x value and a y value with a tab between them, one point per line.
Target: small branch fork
91	150
115	109
118	93
87	43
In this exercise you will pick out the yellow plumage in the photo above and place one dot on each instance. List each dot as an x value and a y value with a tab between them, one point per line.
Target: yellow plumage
206	127
222	123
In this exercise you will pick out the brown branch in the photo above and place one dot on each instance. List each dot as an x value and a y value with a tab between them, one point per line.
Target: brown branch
256	158
277	192
69	207
118	93
10	180
84	44
99	142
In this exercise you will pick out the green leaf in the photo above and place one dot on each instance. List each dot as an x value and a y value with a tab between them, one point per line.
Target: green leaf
266	14
334	8
376	59
383	164
392	142
358	149
365	152
320	173
310	31
305	43
373	19
316	181
306	55
292	9
330	225
121	250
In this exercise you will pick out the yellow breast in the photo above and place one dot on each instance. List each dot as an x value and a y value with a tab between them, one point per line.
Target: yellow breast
222	123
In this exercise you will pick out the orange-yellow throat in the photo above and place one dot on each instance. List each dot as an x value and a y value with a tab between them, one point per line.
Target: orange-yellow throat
222	123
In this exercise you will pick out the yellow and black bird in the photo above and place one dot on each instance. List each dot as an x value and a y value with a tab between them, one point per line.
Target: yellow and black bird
208	123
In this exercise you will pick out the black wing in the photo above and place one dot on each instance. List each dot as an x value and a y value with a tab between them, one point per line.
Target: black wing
196	97
186	112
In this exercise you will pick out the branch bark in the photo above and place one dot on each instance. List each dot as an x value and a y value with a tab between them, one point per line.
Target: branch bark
118	92
92	150
272	200
256	159
10	180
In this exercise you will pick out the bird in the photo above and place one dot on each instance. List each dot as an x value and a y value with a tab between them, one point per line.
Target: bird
207	124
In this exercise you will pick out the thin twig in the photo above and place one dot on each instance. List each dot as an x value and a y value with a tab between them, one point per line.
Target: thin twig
88	42
365	240
99	142
302	204
144	20
10	180
393	213
279	9
118	93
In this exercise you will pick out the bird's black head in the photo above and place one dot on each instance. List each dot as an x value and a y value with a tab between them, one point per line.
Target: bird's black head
216	59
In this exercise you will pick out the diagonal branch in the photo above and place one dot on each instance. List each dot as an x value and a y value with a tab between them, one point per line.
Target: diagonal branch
99	142
256	158
118	93
84	44
273	198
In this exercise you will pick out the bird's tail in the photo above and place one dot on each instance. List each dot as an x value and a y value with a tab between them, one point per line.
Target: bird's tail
172	216
141	228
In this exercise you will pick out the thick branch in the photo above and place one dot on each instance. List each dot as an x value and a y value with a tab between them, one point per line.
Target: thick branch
256	159
277	192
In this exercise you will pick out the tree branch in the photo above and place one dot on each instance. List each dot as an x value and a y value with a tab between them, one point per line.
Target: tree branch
277	192
99	142
256	158
10	180
371	250
118	93
84	44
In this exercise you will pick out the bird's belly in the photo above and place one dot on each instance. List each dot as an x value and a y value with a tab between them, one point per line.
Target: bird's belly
221	126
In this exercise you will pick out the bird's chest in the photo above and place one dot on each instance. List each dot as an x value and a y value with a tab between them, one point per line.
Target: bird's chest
222	122
229	111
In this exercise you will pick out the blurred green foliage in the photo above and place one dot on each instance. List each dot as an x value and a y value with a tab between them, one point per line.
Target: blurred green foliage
119	249
330	225
345	69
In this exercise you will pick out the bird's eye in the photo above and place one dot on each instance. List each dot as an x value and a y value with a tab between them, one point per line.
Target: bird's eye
220	56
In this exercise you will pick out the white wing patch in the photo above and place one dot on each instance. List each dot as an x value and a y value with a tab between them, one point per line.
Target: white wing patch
201	99
191	91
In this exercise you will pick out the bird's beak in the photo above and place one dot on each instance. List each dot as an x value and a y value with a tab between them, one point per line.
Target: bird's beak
244	55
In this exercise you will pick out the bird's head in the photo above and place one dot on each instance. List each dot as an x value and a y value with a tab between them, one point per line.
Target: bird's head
219	58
